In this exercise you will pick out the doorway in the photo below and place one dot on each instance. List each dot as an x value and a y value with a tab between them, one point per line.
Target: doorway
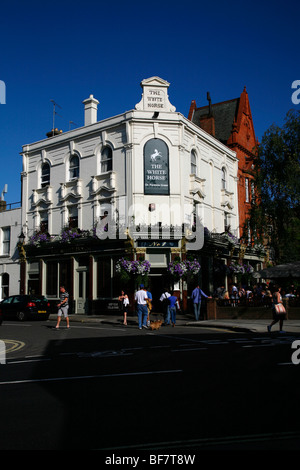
157	285
82	290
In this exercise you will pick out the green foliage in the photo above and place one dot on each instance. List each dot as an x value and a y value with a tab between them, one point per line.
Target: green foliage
276	213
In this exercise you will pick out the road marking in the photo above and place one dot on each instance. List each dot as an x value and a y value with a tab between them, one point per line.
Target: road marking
13	345
211	441
80	377
24	361
188	349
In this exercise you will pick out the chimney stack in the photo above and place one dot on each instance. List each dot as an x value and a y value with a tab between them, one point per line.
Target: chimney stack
90	110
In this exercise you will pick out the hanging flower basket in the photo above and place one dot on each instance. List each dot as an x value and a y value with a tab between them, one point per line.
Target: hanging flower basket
184	269
38	239
232	239
138	269
69	234
240	270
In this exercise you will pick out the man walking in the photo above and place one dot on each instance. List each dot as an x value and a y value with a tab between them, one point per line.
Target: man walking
142	310
63	307
196	296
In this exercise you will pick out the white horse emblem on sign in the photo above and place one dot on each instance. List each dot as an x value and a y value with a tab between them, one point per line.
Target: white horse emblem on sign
154	155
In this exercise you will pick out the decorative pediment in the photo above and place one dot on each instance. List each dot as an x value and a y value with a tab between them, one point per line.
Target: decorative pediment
42	197
104	184
155	96
71	189
228	205
104	192
198	195
227	199
71	197
197	186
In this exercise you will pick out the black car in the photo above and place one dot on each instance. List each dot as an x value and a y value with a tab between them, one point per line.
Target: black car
23	307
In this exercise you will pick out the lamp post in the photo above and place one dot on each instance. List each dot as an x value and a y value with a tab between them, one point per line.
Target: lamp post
22	256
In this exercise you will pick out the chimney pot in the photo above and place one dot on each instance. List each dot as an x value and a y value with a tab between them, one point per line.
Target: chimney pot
90	110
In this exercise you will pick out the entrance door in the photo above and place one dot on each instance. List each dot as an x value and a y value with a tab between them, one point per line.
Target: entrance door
82	291
157	285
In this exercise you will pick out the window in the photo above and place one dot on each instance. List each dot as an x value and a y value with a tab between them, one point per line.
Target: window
57	273
223	178
226	222
106	160
193	163
5	286
45	175
44	221
252	192
74	167
247	189
104	277
52	278
6	241
73	217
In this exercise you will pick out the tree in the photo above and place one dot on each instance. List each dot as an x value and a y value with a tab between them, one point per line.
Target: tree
276	212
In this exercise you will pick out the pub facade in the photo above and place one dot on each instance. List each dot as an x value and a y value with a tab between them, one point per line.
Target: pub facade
147	186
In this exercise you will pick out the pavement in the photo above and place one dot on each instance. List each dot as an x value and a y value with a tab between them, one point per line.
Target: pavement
237	325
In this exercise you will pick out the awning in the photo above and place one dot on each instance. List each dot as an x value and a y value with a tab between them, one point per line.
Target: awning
281	271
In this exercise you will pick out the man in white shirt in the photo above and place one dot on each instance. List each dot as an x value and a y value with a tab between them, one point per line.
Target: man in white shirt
142	310
166	308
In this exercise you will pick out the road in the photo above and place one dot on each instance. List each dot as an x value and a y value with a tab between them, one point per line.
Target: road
111	388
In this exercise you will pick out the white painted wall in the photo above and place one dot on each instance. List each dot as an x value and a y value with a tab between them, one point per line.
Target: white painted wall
127	134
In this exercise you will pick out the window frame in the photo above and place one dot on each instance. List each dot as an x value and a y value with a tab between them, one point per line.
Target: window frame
45	182
74	168
5	242
194	165
106	161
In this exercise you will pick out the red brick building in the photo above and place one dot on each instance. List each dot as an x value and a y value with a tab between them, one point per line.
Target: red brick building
231	123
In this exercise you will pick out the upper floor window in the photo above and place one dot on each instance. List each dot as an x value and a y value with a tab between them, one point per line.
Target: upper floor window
74	167
226	221
223	178
193	163
73	217
5	241
106	160
252	192
247	189
44	221
45	175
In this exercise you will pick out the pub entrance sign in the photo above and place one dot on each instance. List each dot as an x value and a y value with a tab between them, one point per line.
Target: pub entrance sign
156	167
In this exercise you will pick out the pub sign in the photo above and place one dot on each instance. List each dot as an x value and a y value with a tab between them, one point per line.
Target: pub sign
156	167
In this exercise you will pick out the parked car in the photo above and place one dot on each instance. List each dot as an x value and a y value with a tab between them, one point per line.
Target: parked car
23	307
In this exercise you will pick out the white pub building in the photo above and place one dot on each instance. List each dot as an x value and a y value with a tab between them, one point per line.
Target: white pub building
141	186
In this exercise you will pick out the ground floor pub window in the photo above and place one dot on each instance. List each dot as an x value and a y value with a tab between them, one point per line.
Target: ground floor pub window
57	273
108	283
4	286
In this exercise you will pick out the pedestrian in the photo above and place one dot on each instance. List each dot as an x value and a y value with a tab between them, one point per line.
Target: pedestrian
173	304
149	305
142	310
220	291
234	295
63	307
279	312
124	304
166	308
196	297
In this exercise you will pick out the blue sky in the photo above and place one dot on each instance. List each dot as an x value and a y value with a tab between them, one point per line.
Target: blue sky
66	50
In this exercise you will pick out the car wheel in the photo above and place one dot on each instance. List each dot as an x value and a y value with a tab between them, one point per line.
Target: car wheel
21	316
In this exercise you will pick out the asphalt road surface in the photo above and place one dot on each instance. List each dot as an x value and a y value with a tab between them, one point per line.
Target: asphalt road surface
175	391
